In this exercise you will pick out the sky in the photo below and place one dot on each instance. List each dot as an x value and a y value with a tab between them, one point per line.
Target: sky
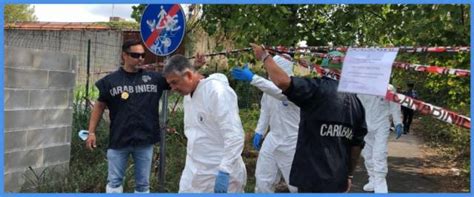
82	12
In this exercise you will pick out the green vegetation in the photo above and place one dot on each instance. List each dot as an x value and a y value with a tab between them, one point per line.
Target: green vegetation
19	13
121	25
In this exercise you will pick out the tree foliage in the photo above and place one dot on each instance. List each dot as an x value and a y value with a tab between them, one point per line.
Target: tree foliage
378	25
138	12
340	24
19	13
361	25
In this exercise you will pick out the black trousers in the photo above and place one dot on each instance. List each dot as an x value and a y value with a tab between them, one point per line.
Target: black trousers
407	118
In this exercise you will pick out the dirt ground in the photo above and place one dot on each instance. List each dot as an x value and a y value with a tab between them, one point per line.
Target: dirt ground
413	167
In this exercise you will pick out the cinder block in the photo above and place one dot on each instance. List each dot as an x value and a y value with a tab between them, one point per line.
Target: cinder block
15	140
58	117
57	154
23	119
22	78
48	98
68	136
70	98
15	99
13	181
18	57
52	60
20	160
43	137
73	62
61	79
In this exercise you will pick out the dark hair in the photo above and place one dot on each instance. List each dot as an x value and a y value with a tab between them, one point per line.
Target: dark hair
410	85
129	43
177	64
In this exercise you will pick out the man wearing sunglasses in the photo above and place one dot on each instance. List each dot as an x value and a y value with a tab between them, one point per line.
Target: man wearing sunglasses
131	94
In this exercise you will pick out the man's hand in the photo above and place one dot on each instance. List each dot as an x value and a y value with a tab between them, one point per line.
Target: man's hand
199	61
278	76
91	142
259	51
244	74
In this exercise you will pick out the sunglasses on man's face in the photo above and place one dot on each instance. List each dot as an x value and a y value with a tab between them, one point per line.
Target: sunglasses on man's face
136	55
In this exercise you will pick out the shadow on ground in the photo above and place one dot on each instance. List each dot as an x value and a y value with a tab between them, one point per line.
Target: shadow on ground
405	176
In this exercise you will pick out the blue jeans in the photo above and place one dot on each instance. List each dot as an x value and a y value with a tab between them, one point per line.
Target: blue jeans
118	160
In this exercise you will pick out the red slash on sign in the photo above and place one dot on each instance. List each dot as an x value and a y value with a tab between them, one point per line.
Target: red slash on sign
157	32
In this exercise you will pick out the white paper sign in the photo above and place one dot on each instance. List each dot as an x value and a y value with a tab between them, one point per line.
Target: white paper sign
367	70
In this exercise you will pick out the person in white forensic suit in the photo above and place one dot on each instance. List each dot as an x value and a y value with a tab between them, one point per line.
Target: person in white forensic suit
378	111
213	128
278	148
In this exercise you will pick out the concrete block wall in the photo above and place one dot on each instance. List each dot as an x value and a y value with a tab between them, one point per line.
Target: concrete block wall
38	96
105	47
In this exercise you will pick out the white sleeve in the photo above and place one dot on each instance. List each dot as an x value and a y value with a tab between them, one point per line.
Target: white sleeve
226	112
268	87
395	109
396	113
264	119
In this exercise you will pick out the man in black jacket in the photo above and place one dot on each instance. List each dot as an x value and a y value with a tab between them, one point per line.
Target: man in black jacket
331	130
131	94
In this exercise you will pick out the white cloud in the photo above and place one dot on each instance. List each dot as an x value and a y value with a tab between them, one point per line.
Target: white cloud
81	12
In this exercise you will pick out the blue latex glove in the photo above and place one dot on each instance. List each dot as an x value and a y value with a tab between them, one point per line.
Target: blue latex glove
244	74
222	182
257	139
399	130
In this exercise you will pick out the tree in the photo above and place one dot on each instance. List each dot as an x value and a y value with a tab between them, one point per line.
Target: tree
378	25
19	12
373	25
138	12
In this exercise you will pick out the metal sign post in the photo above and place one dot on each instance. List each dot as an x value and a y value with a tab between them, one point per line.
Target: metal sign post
161	167
162	29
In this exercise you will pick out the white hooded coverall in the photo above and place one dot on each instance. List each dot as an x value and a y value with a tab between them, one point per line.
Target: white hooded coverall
215	137
278	149
377	113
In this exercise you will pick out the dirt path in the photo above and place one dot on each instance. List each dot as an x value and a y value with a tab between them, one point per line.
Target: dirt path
412	167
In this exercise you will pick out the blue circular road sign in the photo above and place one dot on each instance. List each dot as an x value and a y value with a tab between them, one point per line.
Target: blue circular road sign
162	28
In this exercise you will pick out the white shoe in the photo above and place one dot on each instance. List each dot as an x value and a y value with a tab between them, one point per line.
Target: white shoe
380	185
369	187
109	189
145	192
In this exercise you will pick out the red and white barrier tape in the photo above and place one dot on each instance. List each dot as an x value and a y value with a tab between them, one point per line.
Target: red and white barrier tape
418	105
407	66
402	49
433	69
429	109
